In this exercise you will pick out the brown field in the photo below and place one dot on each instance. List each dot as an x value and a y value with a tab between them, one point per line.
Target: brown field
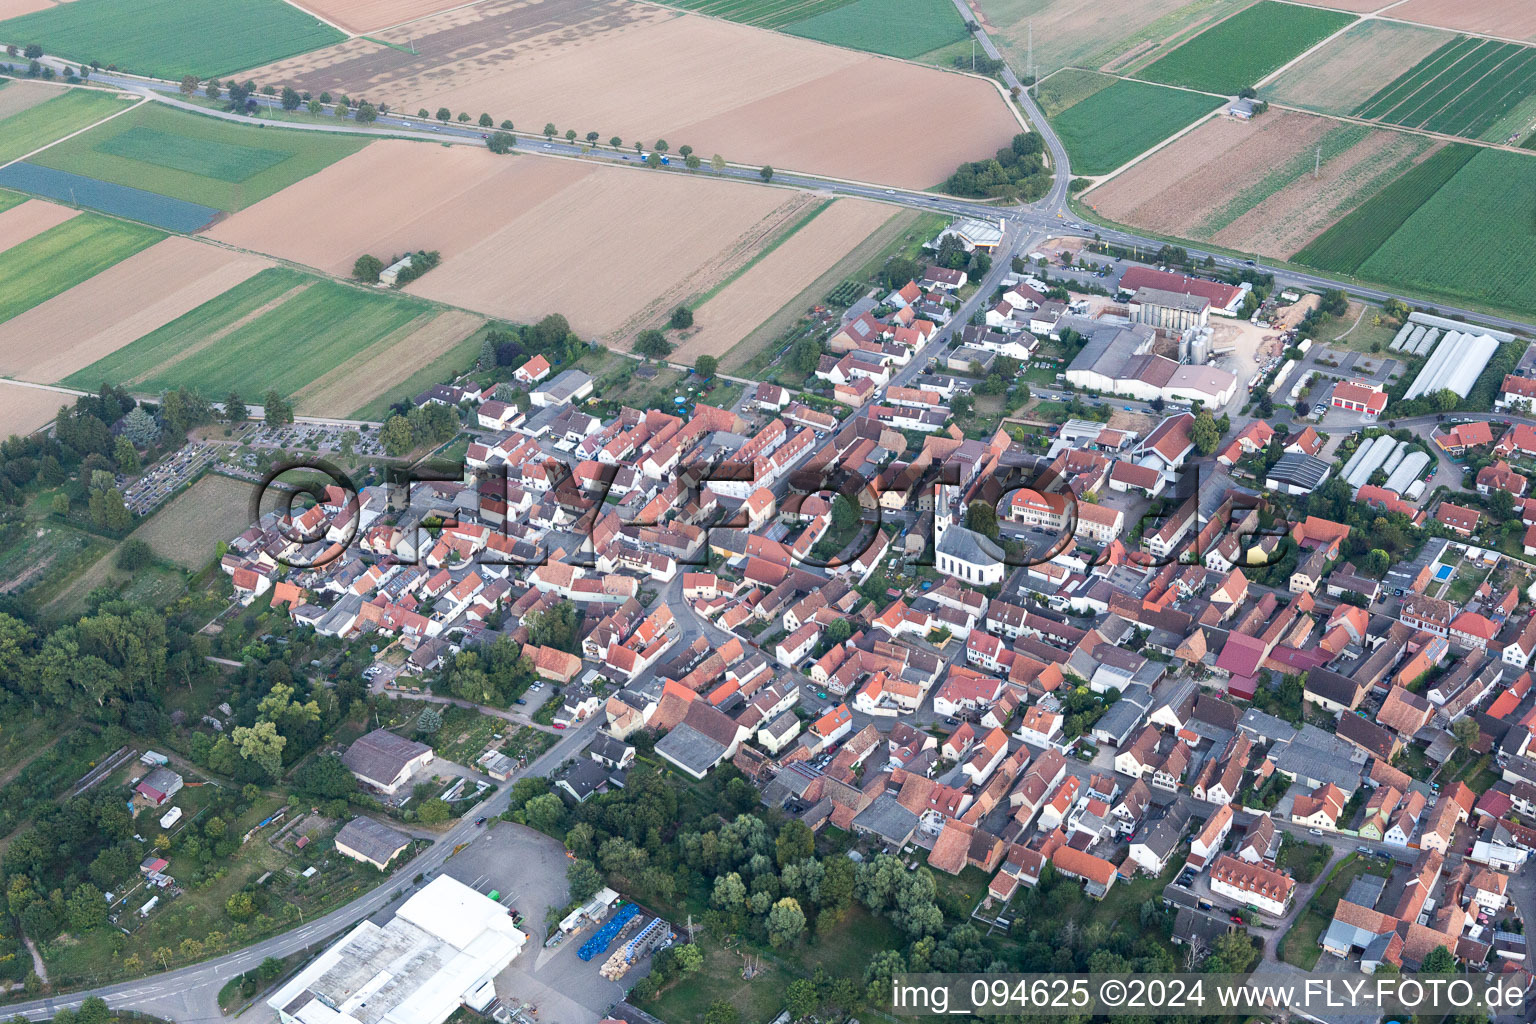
16	8
637	71
1491	17
614	244
369	15
121	304
756	295
385	363
1352	68
32	217
189	529
19	96
1189	188
1354	6
24	409
1091	34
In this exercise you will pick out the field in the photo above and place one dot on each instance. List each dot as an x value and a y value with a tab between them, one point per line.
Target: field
1115	124
36	125
1489	17
641	72
758	293
1249	186
664	238
1068	87
24	409
1090	34
19	222
1349	243
1477	88
1246	48
1472	239
171	38
63	256
897	28
17	95
280	329
376	371
126	301
1349	70
762	13
369	15
188	530
198	159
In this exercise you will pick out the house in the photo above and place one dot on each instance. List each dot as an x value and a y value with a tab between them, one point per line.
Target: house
533	371
1040	727
583	779
1096	873
1500	477
1457	518
1207	842
571	386
611	753
371	842
1255	885
1152	847
1320	808
159	786
385	760
1359	396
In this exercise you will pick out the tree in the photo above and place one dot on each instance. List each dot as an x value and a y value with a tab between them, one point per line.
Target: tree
342	109
717	163
108	512
845	514
653	160
1438	961
691	161
550	130
134	555
501	142
188	84
486	121
429	721
786	921
729	893
291	98
367	268
838	632
1205	434
687	959
61	504
1375	563
962	406
570	135
804	355
212	90
765	172
795	842
616	142
33	51
276	409
140	428
463	117
367	113
1466	732
981	516
706	366
584	880
592	138
721	1012
235	410
395	436
653	343
444	114
262	744
681	318
433	812
240	906
87	908
316	108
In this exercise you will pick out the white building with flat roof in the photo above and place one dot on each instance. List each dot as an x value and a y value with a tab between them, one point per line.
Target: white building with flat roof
441	949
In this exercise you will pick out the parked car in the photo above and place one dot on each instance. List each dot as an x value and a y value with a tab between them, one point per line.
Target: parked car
480	820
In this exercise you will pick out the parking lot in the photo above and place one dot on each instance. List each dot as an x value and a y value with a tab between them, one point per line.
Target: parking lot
528	869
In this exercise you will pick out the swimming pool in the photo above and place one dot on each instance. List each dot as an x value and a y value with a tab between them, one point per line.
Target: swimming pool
1444	573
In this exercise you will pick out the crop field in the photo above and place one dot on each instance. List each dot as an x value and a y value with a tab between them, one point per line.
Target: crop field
1473	238
1349	70
1095	35
1069	86
213	163
370	15
1346	246
24	409
1250	186
897	28
36	125
17	95
1242	50
280	329
1113	125
1488	17
1466	87
642	72
63	256
21	221
126	301
762	13
171	38
379	371
190	528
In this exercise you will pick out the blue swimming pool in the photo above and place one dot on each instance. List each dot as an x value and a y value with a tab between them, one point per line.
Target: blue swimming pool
1444	573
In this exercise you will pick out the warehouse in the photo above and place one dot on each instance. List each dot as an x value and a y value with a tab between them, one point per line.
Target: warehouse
1295	473
442	948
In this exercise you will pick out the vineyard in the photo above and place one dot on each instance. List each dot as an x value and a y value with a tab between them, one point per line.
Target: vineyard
1111	126
1242	50
1346	246
1464	88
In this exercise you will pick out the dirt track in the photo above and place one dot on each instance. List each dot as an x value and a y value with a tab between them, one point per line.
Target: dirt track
637	71
119	305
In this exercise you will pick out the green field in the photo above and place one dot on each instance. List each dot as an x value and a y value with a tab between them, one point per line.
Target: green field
10	199
1466	87
1473	239
221	346
1234	54
765	13
1346	246
171	38
222	164
1115	124
896	28
68	112
63	256
1069	86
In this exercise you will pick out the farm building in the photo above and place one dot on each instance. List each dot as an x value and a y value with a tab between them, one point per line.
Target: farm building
371	842
973	234
1173	311
443	948
159	786
1295	473
1454	364
570	386
385	760
1225	299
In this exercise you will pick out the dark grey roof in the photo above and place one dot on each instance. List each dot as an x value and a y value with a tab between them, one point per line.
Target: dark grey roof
584	778
1300	469
373	839
162	780
607	748
886	818
690	748
1163	835
381	755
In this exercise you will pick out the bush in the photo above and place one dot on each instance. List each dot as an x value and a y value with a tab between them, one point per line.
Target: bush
681	319
134	555
368	268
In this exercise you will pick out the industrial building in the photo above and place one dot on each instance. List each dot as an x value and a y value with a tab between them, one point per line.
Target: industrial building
1117	359
443	948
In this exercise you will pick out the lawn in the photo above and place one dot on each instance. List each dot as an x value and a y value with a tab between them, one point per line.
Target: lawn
172	38
63	256
896	28
1247	47
280	329
67	112
1113	125
221	164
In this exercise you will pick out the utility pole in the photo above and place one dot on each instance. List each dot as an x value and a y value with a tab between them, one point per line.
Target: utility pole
973	53
1317	164
1032	58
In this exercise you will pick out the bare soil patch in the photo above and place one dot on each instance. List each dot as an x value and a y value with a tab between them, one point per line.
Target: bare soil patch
1356	6
643	72
1352	68
32	217
371	15
117	306
1491	17
16	8
1251	346
758	293
1292	315
609	240
21	95
189	529
24	409
385	364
